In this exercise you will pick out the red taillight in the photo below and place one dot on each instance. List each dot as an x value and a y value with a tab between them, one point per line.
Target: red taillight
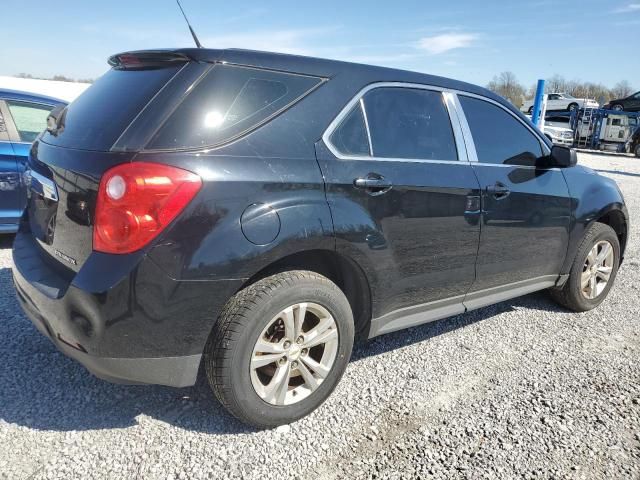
136	201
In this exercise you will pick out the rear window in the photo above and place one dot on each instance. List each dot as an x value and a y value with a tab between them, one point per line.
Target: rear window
227	103
96	119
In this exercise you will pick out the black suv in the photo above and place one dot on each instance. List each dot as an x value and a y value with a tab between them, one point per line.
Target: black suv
256	213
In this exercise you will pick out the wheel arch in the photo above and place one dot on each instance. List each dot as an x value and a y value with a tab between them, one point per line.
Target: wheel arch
617	220
340	269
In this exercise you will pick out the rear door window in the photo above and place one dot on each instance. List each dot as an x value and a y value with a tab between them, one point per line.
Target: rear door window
96	119
228	102
29	118
409	123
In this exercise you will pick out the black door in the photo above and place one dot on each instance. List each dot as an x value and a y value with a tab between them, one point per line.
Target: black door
404	202
525	209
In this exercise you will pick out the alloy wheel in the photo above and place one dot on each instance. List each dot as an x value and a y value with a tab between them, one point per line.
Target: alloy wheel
597	270
294	354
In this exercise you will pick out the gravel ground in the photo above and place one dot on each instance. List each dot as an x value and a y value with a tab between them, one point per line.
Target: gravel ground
522	389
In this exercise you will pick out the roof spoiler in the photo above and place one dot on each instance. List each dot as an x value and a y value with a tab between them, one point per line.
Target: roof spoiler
146	59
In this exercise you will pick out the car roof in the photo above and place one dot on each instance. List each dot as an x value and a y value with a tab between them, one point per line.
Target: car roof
319	67
8	94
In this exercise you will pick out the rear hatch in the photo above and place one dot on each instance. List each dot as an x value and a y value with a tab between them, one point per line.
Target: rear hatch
67	162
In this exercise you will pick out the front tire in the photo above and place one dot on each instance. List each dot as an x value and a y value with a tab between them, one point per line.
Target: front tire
593	271
637	152
617	107
572	107
280	348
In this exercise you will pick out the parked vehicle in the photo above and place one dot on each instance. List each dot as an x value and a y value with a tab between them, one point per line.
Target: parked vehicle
285	206
562	121
629	104
558	131
615	132
22	117
561	101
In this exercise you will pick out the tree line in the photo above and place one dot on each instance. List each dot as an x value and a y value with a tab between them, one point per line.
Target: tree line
507	85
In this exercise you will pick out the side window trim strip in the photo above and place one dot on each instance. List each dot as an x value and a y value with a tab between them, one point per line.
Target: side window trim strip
366	125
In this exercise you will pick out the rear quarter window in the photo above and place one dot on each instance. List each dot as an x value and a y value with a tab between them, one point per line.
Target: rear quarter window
228	102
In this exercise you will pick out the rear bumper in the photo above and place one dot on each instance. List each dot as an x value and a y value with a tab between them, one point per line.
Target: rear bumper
171	371
144	328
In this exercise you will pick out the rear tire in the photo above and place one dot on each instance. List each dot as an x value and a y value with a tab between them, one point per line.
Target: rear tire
617	107
577	295
637	152
278	317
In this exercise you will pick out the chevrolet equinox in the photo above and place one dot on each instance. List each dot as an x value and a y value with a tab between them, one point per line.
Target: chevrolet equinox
256	213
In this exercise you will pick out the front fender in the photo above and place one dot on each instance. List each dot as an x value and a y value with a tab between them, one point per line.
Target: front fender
593	196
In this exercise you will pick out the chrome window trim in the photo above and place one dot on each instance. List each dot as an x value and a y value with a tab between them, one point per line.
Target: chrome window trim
455	125
466	148
467	130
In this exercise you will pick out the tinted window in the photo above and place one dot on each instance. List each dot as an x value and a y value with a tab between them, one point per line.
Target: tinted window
498	136
229	101
350	138
409	123
96	119
29	118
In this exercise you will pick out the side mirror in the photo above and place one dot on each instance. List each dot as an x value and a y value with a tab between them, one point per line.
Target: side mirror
563	157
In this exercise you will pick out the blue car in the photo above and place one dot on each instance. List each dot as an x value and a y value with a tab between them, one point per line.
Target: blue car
22	117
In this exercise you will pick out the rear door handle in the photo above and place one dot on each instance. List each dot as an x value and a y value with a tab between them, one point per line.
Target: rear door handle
375	184
498	191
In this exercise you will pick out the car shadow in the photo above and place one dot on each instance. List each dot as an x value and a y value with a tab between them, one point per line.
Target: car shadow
44	390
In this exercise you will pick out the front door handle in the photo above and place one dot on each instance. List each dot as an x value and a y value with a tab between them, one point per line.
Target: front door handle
498	191
374	184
